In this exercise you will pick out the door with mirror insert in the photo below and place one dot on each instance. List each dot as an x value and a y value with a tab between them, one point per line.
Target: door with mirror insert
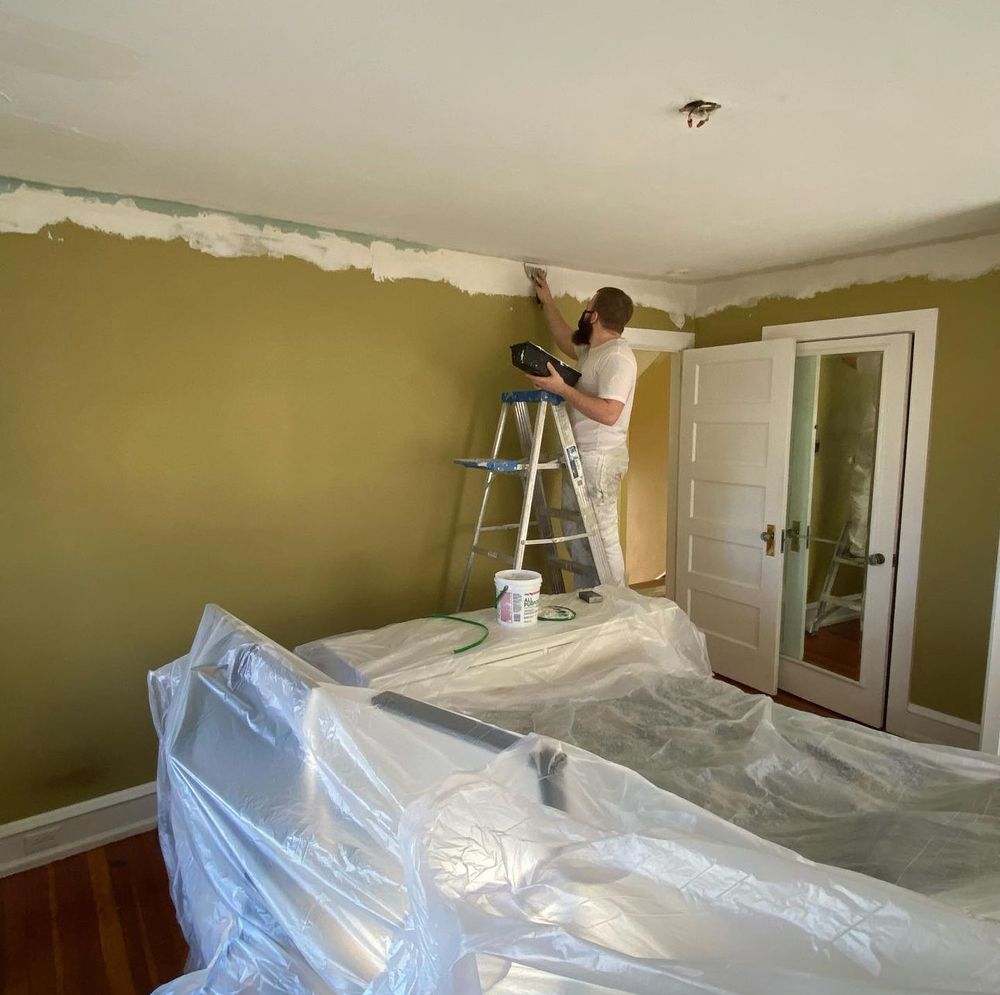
841	525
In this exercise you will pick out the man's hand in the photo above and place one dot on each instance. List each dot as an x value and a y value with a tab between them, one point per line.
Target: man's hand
552	383
541	287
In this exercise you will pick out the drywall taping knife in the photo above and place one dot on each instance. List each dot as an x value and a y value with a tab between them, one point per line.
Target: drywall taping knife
531	271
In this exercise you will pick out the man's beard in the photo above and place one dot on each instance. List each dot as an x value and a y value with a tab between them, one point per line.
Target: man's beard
584	330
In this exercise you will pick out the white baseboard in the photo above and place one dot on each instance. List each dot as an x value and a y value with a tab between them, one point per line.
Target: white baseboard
927	726
63	832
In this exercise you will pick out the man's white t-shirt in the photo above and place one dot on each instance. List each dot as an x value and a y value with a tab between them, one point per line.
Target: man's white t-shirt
609	371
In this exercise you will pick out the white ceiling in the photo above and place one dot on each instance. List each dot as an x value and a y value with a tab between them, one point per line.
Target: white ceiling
542	130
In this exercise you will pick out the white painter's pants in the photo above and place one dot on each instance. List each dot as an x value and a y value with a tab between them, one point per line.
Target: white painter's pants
603	471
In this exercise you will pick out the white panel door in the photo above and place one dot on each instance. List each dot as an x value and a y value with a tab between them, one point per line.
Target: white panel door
736	404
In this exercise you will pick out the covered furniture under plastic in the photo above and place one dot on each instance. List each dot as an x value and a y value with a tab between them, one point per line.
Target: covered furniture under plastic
627	680
326	838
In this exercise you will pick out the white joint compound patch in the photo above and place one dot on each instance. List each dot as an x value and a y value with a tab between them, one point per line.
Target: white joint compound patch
27	210
959	259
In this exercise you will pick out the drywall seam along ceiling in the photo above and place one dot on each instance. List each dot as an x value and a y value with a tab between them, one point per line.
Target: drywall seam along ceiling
26	209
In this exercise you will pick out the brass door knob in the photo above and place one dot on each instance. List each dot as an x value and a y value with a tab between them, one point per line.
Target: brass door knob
767	537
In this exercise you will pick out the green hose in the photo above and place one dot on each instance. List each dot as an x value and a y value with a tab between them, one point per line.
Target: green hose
554	613
467	621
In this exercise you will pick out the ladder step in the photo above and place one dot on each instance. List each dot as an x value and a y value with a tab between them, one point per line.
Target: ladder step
550	540
853	601
505	465
517	525
530	397
555	539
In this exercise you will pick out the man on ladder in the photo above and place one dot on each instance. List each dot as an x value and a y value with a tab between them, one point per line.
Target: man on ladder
600	405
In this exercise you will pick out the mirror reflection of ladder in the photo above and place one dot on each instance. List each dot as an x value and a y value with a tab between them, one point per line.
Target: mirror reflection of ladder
536	512
828	601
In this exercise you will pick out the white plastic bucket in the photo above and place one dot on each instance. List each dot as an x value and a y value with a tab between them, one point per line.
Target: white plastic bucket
517	597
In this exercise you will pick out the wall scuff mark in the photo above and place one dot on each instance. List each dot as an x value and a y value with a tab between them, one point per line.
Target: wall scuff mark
27	209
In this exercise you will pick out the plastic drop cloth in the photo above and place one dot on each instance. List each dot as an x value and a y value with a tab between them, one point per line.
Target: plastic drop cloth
609	647
319	840
628	683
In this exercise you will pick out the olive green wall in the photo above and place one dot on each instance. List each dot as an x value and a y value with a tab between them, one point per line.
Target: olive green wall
177	429
962	497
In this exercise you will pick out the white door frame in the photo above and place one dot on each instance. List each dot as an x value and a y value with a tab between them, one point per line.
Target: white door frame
922	324
657	340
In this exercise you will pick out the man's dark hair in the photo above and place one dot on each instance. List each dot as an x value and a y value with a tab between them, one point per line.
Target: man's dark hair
613	307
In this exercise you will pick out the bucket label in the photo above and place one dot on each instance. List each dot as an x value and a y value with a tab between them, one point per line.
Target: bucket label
518	609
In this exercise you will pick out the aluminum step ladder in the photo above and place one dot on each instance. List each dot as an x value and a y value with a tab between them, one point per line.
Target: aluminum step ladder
536	512
828	601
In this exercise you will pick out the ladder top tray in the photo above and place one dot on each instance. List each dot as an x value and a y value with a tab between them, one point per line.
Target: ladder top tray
531	396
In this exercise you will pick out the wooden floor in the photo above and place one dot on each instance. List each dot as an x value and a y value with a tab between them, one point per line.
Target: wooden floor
651	588
836	648
99	923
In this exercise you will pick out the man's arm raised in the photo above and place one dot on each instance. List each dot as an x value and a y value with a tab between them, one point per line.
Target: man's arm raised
561	330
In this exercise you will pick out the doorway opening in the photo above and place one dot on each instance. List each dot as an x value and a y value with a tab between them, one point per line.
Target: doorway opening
644	506
647	526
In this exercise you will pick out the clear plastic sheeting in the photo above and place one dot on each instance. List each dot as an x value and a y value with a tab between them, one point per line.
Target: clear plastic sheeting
609	646
923	817
330	839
